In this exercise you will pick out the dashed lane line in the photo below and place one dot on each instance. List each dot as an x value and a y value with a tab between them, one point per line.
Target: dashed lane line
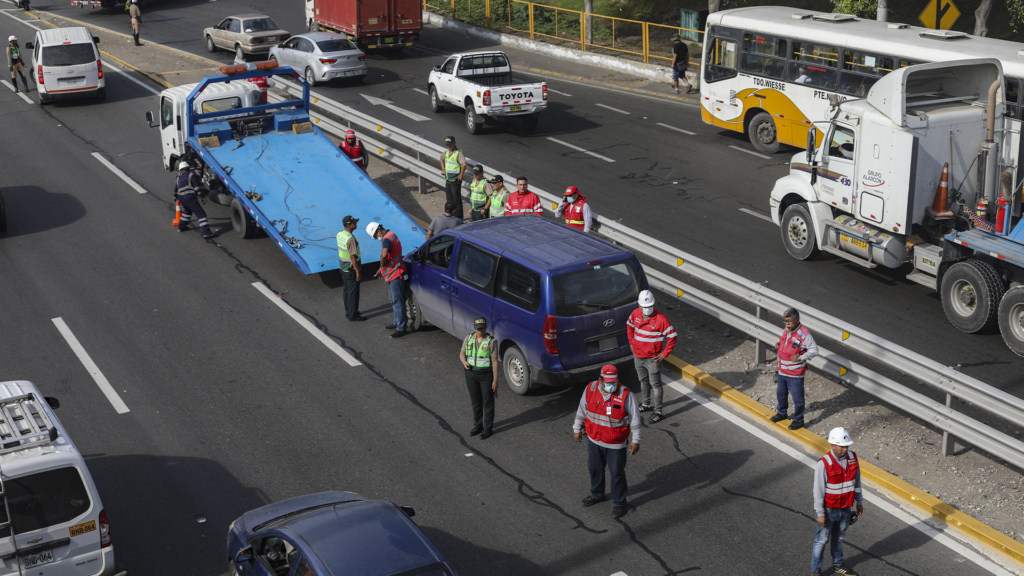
305	323
585	151
677	129
108	67
613	109
117	171
119	406
757	215
22	94
550	89
751	152
421	91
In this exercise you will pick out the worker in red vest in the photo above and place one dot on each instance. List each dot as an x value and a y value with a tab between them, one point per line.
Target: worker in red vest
261	83
575	209
836	491
651	338
353	148
796	346
612	420
522	201
392	271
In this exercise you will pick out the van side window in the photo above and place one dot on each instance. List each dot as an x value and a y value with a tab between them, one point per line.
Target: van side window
518	285
439	252
44	499
475	266
166	112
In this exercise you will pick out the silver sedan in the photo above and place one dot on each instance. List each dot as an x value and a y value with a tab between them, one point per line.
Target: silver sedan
321	56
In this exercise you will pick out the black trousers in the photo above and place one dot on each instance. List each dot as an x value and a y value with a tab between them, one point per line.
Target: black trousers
599	457
350	293
453	194
482	397
476	215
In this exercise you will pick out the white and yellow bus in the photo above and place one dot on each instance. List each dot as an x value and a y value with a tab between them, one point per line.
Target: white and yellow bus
768	71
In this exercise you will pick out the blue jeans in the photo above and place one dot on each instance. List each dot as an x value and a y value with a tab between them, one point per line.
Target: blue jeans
794	386
396	292
833	532
615	459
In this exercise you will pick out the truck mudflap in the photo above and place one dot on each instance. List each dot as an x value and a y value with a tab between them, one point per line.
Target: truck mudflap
997	247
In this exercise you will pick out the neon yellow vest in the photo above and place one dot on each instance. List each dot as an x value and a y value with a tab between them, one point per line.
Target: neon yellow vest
477	196
478	357
452	168
498	202
343	237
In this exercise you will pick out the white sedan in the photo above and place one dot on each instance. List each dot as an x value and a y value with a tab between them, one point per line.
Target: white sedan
321	56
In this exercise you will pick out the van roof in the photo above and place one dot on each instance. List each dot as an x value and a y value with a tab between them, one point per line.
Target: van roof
547	243
61	35
13	462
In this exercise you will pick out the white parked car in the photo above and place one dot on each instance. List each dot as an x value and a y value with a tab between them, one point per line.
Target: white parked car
321	56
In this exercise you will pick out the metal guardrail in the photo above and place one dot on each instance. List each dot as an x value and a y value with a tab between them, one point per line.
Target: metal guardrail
944	378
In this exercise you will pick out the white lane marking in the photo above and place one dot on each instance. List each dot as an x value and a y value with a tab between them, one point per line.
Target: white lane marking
550	89
606	88
22	94
22	21
387	104
685	388
757	214
620	574
107	67
91	367
117	171
421	91
305	323
676	129
594	154
613	109
751	152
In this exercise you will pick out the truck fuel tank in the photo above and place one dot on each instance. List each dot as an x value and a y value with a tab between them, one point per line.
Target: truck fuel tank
871	244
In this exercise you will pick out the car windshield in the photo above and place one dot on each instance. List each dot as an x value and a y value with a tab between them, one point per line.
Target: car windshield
598	288
41	500
68	55
335	45
260	25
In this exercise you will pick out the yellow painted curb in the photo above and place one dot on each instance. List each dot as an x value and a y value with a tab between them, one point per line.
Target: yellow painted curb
138	70
895	486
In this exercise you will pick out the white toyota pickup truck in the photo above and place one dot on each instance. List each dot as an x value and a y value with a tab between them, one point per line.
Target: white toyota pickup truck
481	84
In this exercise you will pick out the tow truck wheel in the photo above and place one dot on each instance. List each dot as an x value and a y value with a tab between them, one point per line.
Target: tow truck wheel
472	120
1011	318
243	224
435	100
763	134
516	370
413	312
3	214
970	295
798	233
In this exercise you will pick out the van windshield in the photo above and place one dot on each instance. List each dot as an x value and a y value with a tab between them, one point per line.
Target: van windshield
598	288
44	499
69	55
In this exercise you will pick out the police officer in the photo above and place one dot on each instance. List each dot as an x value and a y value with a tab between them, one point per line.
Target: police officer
453	167
136	14
836	493
15	64
498	196
350	266
479	357
480	192
612	417
185	193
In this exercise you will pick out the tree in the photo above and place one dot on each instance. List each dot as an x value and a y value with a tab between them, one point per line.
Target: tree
981	17
859	8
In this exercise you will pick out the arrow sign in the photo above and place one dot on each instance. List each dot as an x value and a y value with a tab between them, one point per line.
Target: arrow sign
939	15
387	104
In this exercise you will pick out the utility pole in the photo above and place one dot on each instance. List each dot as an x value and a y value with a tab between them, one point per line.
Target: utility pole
588	7
883	11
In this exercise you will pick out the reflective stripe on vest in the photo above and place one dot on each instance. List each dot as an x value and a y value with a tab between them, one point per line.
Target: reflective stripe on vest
452	168
477	196
498	202
355	153
343	238
393	268
185	185
607	420
840	483
792	343
478	357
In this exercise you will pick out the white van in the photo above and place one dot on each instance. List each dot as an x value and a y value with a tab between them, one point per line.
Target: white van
47	497
66	64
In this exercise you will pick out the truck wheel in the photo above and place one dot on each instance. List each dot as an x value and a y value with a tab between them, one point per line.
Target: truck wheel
219	195
1011	317
970	295
762	133
239	54
243	224
798	233
310	77
473	124
516	370
530	123
435	100
210	46
413	313
3	214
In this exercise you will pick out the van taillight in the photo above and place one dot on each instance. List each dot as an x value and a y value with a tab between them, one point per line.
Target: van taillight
551	335
487	102
104	530
99	68
545	91
40	73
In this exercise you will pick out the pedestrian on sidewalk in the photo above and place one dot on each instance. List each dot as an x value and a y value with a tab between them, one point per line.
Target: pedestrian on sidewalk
680	62
479	357
392	271
186	189
836	490
480	192
15	64
651	338
796	346
575	209
522	201
446	221
453	167
498	196
610	412
136	14
351	268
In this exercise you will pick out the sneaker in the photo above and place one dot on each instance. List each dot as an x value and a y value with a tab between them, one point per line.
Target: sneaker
590	500
657	418
675	90
398	333
390	327
797	426
646	408
778	417
843	570
618	512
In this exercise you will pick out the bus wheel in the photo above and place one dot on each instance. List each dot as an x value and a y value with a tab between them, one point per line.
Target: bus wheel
1011	319
762	133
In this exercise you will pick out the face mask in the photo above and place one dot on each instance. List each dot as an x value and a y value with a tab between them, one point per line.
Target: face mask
647	311
572	199
609	387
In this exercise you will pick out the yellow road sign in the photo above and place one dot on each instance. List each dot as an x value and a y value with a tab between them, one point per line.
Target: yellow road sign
939	15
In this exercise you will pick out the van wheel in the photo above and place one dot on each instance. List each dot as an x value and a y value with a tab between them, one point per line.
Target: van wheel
413	313
798	233
239	54
516	370
210	46
435	101
970	292
243	224
3	214
763	134
310	77
1011	312
472	120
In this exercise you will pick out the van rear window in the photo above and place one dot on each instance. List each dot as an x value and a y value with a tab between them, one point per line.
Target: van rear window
69	54
601	287
44	499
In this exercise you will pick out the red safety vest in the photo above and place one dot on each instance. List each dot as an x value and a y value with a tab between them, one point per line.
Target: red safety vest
353	152
517	204
790	343
261	83
607	420
839	481
394	268
574	214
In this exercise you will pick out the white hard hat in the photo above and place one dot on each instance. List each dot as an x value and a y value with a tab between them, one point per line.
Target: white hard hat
182	165
371	228
12	38
646	299
839	437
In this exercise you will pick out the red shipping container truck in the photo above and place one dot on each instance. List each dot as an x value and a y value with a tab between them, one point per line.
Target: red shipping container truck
372	23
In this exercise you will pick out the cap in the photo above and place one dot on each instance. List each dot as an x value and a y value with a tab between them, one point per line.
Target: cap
497	178
675	37
349	220
478	169
479	321
571	190
371	228
12	38
449	139
646	299
839	437
350	133
182	165
609	373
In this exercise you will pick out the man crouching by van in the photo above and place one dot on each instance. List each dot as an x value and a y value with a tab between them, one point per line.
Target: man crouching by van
15	63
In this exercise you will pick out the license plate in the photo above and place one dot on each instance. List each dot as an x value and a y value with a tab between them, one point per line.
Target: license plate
606	344
854	241
71	80
515	108
389	40
271	38
37	559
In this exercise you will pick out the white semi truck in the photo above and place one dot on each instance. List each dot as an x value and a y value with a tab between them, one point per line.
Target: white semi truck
874	192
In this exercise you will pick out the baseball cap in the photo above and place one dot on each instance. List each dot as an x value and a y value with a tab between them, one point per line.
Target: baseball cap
571	190
349	133
497	178
478	169
480	321
449	139
349	220
609	373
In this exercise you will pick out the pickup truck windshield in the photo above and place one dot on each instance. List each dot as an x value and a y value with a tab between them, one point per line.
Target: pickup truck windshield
44	499
601	287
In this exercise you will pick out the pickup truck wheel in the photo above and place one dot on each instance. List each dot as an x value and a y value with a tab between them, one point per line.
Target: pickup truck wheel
413	312
242	223
763	134
1011	315
970	292
473	124
516	370
3	214
310	77
530	123
798	233
239	54
210	46
435	100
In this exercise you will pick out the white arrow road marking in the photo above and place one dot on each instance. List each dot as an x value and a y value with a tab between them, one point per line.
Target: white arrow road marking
594	154
387	104
119	406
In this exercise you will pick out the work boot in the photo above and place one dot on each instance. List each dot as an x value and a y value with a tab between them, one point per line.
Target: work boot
24	81
797	426
136	36
15	83
778	417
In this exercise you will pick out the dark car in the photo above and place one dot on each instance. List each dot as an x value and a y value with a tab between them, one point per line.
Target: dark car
331	534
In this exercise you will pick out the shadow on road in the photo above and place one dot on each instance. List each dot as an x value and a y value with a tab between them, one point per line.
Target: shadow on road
469	558
31	209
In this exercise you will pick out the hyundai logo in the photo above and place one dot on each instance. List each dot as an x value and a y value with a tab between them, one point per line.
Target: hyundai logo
609	323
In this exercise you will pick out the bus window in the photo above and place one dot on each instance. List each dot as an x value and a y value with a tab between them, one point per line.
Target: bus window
861	71
757	48
815	65
1012	97
722	56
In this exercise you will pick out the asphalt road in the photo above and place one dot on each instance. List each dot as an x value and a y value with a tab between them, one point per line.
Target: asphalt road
233	404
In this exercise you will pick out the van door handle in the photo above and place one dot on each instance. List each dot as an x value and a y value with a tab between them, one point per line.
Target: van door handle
444	284
455	289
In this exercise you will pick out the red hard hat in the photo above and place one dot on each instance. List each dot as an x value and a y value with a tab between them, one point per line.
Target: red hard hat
570	191
610	373
350	134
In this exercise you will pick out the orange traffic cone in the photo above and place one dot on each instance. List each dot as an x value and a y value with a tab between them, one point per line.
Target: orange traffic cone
940	206
177	213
